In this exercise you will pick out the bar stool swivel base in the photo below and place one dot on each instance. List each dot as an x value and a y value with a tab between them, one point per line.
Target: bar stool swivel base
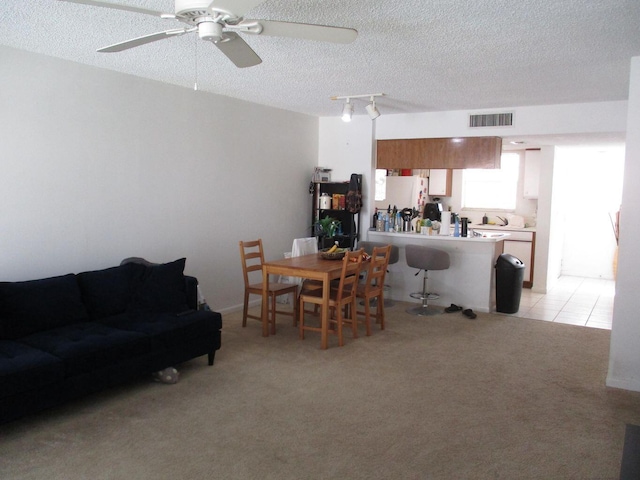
424	310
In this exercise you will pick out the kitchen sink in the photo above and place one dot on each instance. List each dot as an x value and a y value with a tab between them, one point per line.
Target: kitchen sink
486	234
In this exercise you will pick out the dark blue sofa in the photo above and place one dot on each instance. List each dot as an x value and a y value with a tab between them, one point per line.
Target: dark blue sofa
68	336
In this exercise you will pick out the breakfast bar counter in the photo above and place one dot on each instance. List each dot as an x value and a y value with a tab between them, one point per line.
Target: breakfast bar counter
469	281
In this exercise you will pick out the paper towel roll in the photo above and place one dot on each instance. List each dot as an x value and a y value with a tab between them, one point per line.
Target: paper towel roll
445	223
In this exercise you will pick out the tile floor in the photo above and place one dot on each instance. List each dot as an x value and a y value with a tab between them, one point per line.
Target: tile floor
573	300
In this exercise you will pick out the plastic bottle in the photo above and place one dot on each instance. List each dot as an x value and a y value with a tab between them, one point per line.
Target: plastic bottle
485	219
456	226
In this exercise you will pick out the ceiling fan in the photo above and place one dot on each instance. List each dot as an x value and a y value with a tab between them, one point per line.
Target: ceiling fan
220	21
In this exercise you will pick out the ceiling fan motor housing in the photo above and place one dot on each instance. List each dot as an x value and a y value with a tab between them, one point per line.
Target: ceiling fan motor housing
194	10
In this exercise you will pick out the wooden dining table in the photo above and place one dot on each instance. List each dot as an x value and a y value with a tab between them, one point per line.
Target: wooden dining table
311	266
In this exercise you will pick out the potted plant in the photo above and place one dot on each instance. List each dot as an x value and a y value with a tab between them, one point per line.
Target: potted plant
326	229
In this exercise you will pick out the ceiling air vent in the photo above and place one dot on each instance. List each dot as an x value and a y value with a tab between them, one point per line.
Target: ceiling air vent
491	120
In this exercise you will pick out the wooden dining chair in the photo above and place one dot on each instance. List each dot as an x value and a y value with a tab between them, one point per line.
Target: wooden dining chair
342	300
252	257
373	287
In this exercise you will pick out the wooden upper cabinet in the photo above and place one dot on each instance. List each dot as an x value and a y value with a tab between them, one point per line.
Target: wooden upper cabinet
461	152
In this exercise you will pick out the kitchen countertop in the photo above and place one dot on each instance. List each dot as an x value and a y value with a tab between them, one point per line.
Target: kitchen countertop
479	226
446	238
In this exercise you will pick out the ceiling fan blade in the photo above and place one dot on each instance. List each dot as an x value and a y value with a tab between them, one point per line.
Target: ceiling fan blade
153	37
238	51
235	8
117	6
306	31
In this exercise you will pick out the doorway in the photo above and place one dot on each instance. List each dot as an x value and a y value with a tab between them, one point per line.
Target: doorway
590	181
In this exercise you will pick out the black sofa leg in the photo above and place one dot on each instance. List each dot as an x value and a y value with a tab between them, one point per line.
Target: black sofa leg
212	356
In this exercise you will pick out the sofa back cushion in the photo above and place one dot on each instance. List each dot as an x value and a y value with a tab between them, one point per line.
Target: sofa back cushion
108	292
162	289
36	305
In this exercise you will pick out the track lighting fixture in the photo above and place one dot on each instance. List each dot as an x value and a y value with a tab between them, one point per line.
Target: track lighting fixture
347	111
371	108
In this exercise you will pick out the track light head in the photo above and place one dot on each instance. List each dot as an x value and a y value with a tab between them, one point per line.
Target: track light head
372	110
347	111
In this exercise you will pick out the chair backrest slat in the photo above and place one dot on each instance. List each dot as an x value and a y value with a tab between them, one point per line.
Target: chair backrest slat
252	257
351	265
377	270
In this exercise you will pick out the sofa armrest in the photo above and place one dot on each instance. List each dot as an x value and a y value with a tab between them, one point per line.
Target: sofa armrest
191	291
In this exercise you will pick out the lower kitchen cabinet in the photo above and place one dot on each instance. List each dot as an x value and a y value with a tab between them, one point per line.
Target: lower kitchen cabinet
522	245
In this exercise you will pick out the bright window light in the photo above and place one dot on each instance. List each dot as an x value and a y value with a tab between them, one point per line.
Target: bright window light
381	184
492	189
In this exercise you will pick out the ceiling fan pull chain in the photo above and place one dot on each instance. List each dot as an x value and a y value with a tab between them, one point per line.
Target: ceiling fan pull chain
195	55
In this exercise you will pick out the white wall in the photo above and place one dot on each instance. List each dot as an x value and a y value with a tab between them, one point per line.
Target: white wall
348	148
549	231
98	166
624	358
540	120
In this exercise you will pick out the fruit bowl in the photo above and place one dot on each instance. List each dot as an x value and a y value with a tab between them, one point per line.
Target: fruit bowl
335	255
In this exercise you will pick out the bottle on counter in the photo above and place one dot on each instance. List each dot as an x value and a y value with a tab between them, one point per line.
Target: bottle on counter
464	229
485	219
445	224
456	225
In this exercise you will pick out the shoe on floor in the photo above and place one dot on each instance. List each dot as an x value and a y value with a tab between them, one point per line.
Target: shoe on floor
453	308
469	313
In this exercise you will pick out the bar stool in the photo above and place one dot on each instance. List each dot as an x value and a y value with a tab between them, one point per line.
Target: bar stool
425	258
395	256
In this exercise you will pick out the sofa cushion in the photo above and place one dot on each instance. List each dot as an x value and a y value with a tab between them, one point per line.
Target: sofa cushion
162	289
24	368
168	330
36	305
109	291
87	347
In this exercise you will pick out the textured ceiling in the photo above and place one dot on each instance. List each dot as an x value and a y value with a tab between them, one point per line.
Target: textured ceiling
425	55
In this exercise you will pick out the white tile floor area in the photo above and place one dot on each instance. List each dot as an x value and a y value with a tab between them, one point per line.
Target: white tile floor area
573	300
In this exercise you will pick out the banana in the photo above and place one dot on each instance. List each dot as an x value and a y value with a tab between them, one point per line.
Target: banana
333	249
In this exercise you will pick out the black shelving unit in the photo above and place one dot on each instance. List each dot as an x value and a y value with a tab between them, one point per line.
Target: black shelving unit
350	222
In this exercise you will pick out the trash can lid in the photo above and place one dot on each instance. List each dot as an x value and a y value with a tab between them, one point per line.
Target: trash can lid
506	260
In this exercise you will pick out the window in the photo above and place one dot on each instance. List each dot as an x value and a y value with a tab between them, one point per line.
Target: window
492	189
381	184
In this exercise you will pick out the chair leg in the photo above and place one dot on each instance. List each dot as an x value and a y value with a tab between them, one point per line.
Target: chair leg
380	310
245	308
340	319
352	313
301	318
273	314
295	309
367	316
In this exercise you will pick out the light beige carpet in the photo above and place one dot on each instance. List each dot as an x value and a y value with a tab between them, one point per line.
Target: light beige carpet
440	397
